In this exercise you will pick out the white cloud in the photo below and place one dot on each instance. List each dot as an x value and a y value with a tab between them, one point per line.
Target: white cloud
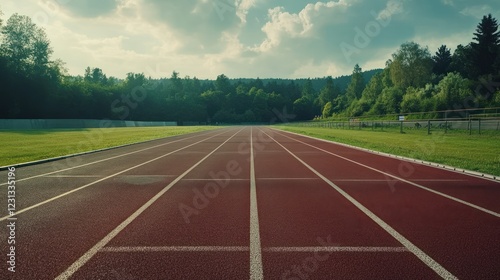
448	3
247	38
311	70
476	11
243	6
392	8
283	24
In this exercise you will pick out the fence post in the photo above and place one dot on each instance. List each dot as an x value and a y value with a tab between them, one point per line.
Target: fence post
446	127
470	126
479	126
428	127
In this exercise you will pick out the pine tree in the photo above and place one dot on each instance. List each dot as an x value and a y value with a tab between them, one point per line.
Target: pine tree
442	61
487	45
355	88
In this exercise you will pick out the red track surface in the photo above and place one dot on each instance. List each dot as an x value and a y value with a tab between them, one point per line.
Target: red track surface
240	203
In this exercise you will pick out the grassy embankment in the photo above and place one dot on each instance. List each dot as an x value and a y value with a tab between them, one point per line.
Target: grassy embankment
30	145
473	152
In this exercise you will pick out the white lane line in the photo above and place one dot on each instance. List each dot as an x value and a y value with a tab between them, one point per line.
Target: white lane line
73	176
336	249
212	179
403	180
385	180
100	180
97	247
431	263
332	249
101	160
288	179
176	249
256	270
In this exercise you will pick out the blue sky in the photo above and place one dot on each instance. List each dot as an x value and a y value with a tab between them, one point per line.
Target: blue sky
245	38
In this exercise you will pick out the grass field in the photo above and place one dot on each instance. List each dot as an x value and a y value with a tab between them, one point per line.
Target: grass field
30	145
476	152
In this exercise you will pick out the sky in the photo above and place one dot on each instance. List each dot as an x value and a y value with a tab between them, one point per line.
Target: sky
245	38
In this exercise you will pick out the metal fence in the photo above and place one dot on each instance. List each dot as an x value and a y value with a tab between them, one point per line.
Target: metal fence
21	124
470	126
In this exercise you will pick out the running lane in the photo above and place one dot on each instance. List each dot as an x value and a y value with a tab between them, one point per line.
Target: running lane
197	228
451	217
51	236
310	231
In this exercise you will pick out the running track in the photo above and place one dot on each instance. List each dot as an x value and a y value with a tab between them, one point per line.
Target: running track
249	203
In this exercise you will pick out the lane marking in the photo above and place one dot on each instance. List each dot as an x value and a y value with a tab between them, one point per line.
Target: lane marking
402	180
256	270
73	176
211	179
97	247
176	249
140	249
426	259
106	159
336	249
288	179
457	170
385	180
100	180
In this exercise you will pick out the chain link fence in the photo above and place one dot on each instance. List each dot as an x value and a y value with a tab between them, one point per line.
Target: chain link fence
464	126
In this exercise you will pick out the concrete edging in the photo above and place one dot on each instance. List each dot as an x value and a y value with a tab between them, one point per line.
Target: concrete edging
418	161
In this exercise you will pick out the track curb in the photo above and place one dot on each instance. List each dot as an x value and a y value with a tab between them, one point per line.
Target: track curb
490	177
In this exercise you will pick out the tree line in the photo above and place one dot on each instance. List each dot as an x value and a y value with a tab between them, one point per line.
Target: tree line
33	85
416	81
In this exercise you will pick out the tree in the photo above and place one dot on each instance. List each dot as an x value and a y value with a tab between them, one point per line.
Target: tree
176	90
327	110
442	61
95	76
373	89
303	108
411	66
25	45
223	84
329	92
307	89
357	84
461	61
452	90
486	48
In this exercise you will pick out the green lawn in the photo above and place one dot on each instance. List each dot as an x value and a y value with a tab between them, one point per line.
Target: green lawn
473	152
29	145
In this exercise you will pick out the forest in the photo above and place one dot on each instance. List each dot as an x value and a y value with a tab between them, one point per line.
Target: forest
35	85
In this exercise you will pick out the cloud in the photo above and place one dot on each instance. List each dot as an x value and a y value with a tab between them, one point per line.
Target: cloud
392	8
477	11
243	6
283	24
245	38
88	8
